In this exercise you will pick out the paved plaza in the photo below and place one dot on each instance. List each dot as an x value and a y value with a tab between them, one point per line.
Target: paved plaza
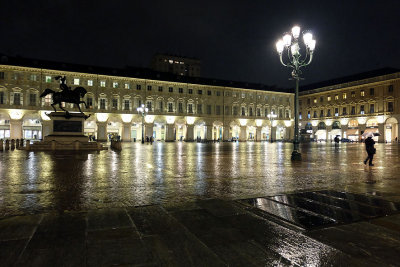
191	204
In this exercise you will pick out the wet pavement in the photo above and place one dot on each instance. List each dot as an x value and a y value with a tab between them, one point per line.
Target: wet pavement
189	204
161	173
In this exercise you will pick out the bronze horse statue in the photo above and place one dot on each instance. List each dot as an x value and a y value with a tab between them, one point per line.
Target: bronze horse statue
67	96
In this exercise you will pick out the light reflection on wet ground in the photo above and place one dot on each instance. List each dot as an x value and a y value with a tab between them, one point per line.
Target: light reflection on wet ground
174	172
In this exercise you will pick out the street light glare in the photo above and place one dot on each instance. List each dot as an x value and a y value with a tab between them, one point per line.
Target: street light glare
312	45
279	46
287	39
296	32
307	37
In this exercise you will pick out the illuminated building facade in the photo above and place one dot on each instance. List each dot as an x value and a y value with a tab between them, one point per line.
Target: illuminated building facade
353	107
180	108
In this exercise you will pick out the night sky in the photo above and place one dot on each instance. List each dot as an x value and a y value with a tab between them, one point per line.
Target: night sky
234	39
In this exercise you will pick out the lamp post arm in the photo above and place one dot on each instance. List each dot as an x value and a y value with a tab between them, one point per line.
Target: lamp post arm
310	57
283	63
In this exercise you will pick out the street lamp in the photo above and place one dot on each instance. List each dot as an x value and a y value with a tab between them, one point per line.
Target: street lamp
290	42
143	110
271	117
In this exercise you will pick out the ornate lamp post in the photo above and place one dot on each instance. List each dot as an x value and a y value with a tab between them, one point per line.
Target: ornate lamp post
290	42
271	117
143	110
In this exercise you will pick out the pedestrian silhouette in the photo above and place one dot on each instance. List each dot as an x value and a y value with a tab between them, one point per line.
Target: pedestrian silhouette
369	147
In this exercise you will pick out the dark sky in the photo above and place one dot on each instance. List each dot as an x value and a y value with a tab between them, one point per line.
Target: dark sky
234	39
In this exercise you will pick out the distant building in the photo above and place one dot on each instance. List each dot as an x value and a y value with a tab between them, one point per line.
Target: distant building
353	107
183	66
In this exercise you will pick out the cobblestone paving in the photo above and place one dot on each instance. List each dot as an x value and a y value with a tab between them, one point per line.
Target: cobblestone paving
174	172
179	205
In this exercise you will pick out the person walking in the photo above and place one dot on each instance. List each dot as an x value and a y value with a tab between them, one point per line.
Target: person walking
369	147
336	139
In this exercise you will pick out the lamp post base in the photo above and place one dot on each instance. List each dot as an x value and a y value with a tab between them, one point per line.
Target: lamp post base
296	156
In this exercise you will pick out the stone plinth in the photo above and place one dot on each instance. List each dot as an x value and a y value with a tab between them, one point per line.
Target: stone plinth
66	133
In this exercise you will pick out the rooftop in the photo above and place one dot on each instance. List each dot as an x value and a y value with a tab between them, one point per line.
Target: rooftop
349	79
133	72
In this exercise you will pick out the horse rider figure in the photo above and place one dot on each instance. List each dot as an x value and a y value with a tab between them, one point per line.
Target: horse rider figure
63	86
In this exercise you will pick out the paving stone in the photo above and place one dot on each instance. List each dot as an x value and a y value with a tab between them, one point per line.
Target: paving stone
220	208
58	240
108	218
360	244
122	247
18	227
288	244
185	248
390	222
10	251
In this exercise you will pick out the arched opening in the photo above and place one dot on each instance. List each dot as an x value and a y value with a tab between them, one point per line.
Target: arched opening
336	130
391	130
4	126
32	127
371	130
352	133
320	134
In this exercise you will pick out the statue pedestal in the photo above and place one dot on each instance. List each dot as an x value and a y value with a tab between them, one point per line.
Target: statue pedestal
67	128
66	133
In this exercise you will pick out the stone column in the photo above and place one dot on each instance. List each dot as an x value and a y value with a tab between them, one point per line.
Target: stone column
362	128
126	132
314	130
101	131
225	133
344	129
209	129
273	134
328	129
381	129
169	133
148	130
47	128
189	133
258	134
15	129
242	135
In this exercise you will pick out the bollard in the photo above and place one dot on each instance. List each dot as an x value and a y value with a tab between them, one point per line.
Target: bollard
12	144
1	144
21	142
76	145
17	143
28	145
7	144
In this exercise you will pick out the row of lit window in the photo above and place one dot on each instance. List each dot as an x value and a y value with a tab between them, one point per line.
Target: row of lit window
353	94
390	108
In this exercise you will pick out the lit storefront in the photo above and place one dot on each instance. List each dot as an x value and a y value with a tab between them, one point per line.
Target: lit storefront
353	133
320	134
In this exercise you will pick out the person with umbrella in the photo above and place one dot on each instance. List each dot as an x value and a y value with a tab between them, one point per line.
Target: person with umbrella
369	147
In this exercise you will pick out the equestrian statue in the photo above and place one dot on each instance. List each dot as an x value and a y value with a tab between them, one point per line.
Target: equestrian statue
66	95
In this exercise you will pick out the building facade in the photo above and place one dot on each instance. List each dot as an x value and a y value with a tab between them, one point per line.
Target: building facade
353	108
207	110
178	65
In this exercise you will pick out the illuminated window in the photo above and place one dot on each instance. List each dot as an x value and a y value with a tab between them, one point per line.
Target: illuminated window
353	94
47	100
315	100
329	98
308	115
90	82
115	85
362	109
243	95
336	97
336	112
33	77
76	81
102	83
48	79
362	93
344	95
127	86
